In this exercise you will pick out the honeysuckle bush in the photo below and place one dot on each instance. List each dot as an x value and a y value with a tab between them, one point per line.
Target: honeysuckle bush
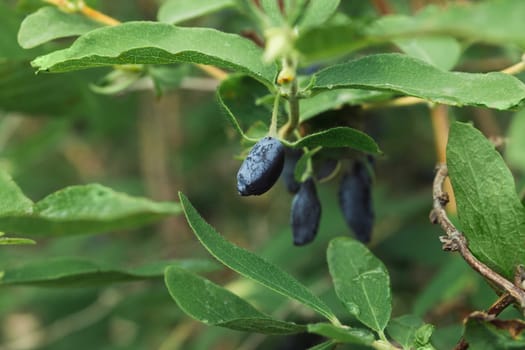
106	134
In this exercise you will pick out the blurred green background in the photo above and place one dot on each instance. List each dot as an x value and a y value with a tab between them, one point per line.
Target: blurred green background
55	131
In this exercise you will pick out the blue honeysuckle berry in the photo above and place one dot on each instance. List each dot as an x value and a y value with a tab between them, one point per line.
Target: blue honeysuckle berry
291	157
306	213
355	200
261	168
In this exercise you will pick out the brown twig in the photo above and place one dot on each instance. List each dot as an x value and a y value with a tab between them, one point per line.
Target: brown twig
440	126
456	241
382	7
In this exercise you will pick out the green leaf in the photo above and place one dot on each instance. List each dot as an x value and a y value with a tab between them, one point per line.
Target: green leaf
318	12
340	137
335	99
159	43
490	212
13	199
76	272
116	81
342	335
515	150
251	265
325	42
409	331
216	306
76	210
406	75
440	51
272	10
329	344
487	21
15	241
176	11
484	335
49	23
237	96
494	22
300	172
361	282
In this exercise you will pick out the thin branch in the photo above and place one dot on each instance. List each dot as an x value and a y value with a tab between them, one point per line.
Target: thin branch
397	102
441	126
456	241
293	118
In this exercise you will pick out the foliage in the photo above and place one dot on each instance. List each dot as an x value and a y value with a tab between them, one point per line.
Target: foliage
344	87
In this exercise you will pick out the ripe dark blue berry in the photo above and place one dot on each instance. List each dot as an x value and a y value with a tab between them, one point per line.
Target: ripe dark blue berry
355	200
291	156
261	168
306	213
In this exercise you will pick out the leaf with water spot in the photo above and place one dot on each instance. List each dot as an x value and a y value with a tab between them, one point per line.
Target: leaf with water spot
217	306
361	282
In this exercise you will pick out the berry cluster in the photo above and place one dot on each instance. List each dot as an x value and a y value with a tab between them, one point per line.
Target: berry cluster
269	158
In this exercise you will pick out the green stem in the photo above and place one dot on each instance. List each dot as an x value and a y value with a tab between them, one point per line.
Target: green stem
293	118
275	113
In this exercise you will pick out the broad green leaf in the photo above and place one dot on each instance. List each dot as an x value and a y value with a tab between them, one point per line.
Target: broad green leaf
484	335
409	331
251	265
440	51
158	43
77	210
340	137
490	212
237	95
342	335
217	306
410	76
335	99
515	150
317	12
176	11
72	271
13	199
361	282
49	23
